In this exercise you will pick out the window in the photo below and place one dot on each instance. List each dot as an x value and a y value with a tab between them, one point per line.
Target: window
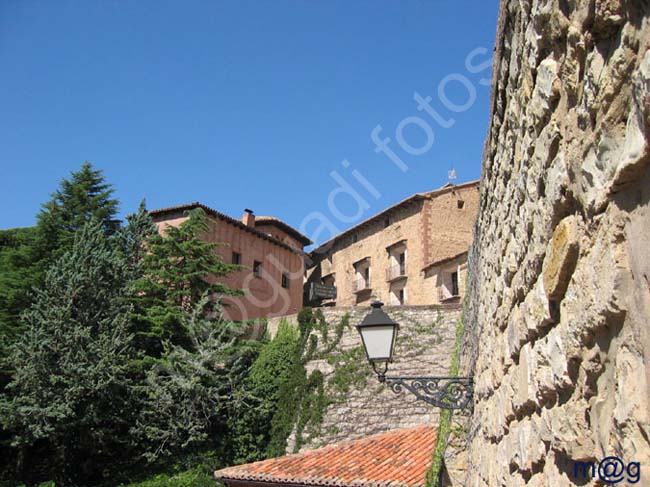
460	204
355	238
454	284
386	222
257	268
285	280
236	258
400	296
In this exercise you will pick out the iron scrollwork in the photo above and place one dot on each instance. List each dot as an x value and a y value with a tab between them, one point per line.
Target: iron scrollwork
443	392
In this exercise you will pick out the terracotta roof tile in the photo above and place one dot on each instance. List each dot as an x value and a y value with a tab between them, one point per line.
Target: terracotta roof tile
398	458
217	214
322	248
271	220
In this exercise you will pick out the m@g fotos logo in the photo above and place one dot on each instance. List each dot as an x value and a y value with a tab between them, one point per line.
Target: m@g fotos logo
610	470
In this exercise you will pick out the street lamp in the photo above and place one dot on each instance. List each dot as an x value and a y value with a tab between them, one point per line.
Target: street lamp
378	334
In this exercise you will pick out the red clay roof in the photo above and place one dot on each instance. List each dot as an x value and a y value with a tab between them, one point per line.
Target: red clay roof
217	214
416	197
271	220
398	458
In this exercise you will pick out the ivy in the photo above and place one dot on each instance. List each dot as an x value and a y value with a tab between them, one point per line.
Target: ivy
304	398
444	424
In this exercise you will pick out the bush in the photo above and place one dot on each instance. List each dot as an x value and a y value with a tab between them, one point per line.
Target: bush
190	478
251	429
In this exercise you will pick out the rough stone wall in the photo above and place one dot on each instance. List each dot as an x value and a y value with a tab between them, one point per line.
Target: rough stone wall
560	293
425	343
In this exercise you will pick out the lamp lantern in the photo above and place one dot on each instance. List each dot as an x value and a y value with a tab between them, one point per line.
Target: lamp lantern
378	334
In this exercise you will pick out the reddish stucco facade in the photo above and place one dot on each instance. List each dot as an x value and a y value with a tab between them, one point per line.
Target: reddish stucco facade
270	251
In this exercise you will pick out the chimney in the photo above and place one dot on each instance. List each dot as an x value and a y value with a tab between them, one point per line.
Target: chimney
249	218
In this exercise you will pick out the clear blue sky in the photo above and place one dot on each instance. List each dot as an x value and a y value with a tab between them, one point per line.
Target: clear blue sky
241	103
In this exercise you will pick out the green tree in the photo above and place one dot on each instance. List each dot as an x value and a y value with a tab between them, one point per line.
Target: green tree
132	239
189	392
16	257
26	254
250	428
69	406
84	197
179	267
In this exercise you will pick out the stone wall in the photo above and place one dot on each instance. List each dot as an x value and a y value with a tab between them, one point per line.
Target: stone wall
424	346
558	332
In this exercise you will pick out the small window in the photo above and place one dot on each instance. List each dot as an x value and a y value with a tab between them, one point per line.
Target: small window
454	284
285	280
236	258
386	222
257	268
460	204
355	238
400	296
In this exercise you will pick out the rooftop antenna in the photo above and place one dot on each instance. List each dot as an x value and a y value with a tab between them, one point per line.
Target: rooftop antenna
451	174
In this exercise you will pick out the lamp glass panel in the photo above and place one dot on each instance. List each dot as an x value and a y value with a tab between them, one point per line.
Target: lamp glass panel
378	341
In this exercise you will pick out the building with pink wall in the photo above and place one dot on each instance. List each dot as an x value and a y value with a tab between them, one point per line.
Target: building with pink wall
270	250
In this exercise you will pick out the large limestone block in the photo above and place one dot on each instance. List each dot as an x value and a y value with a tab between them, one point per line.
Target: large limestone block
561	258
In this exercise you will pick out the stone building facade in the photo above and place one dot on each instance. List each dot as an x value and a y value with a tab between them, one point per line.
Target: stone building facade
414	252
270	251
558	334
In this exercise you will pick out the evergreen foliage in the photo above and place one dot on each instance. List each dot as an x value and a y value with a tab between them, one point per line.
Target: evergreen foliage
118	364
302	398
16	257
84	197
189	391
26	254
178	269
250	429
69	404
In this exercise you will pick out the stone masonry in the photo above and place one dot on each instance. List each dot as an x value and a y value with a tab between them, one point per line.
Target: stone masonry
558	328
425	343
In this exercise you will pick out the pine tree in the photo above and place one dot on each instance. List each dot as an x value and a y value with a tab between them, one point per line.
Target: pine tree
132	239
179	267
16	258
26	254
84	197
69	406
189	393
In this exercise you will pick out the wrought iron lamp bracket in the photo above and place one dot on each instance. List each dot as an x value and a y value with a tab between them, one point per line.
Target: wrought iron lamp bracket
442	392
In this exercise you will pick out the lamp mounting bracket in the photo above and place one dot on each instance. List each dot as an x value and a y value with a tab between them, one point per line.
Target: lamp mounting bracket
442	392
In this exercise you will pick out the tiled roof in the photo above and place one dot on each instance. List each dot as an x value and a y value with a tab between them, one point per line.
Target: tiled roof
413	198
271	220
398	458
224	217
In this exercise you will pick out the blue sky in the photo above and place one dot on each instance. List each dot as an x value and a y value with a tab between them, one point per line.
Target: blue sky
243	104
